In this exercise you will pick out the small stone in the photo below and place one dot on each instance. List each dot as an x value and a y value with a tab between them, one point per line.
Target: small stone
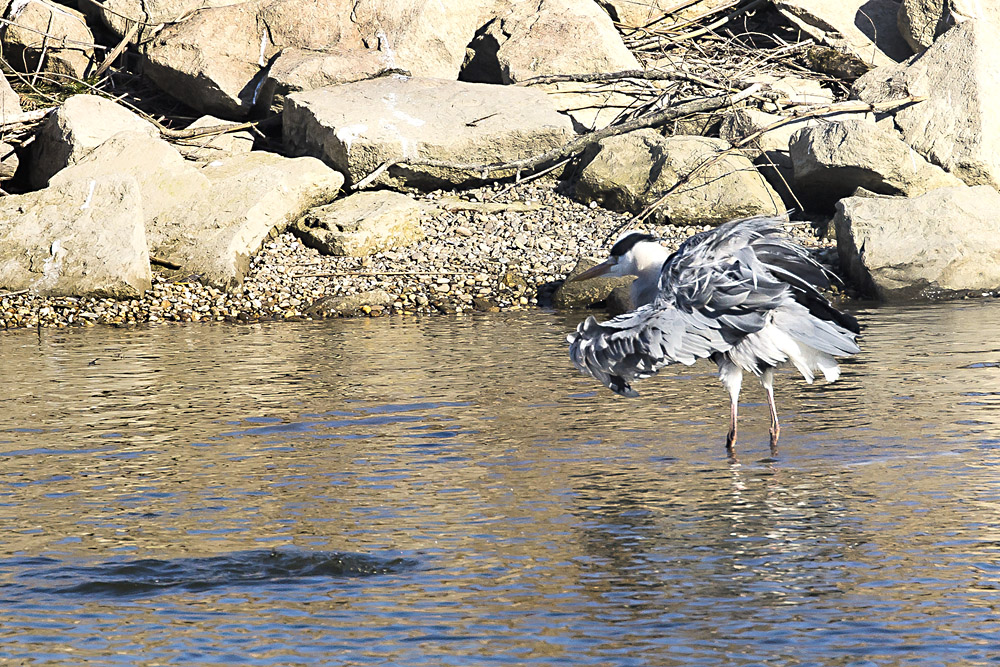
484	305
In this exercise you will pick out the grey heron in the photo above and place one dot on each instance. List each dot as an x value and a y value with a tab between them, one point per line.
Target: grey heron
744	295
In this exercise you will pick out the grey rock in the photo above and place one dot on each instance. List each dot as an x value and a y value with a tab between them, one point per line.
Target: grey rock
349	304
941	242
164	177
921	22
117	15
70	49
361	224
78	126
296	69
532	38
833	160
697	180
865	28
9	161
217	59
10	103
212	233
586	293
769	147
356	127
776	130
957	126
83	237
557	36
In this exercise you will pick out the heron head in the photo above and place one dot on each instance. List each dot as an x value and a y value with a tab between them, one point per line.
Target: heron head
627	257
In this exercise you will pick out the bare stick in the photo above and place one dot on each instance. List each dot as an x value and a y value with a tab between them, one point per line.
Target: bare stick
117	51
645	75
194	133
45	48
528	179
26	117
576	145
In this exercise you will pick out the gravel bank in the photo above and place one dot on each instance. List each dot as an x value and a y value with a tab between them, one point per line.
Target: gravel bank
489	249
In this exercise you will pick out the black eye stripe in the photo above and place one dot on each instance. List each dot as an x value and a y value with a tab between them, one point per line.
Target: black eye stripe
626	243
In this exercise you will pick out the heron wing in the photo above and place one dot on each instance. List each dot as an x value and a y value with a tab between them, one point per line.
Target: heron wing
638	344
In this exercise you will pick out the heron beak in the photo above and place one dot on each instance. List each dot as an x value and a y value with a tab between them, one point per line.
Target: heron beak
593	272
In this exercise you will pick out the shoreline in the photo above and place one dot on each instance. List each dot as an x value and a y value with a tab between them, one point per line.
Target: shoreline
490	249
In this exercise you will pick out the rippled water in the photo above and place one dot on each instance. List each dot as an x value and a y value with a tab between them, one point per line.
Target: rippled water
451	492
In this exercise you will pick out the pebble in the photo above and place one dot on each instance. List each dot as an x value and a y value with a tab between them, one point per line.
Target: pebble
488	261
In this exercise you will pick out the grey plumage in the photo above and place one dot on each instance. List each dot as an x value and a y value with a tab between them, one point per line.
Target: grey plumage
744	295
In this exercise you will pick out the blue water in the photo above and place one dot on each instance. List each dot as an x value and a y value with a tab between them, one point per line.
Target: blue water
450	491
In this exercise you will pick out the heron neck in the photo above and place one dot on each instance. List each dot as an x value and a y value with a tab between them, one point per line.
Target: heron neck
649	262
648	265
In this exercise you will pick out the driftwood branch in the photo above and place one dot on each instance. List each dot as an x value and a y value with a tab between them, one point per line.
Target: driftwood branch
118	50
25	117
640	74
576	145
194	133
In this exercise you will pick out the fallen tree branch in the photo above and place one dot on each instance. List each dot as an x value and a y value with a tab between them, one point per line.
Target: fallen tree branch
194	133
573	147
26	117
117	51
641	74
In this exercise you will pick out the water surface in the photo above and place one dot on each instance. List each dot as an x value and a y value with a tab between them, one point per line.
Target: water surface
450	491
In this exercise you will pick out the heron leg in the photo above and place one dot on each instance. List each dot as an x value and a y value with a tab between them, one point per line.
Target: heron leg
767	379
731	436
732	378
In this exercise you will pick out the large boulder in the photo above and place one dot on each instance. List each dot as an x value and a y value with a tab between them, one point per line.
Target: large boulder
923	21
298	69
765	137
833	160
941	242
10	103
587	293
957	126
164	177
864	28
207	219
84	237
217	60
699	180
358	126
80	125
120	16
539	37
67	50
212	233
362	224
535	38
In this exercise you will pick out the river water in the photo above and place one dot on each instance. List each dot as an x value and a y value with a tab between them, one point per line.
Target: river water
449	491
